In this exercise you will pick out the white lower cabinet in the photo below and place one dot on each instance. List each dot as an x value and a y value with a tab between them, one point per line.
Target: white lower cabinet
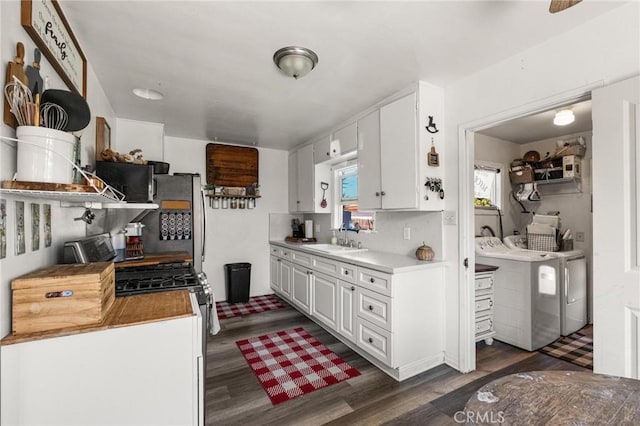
146	374
396	321
347	310
280	276
324	299
301	288
484	307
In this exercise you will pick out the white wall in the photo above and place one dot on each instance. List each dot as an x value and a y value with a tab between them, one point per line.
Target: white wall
63	226
236	235
604	49
502	153
132	134
389	232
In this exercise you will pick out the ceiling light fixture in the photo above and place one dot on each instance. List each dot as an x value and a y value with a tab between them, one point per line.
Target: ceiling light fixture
150	94
295	61
564	117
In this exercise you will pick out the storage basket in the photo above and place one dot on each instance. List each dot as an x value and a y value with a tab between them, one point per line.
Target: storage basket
521	174
542	242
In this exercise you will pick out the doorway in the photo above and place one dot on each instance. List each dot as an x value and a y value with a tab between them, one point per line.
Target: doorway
486	144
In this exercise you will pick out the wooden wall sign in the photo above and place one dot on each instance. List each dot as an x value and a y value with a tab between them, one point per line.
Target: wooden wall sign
45	23
233	166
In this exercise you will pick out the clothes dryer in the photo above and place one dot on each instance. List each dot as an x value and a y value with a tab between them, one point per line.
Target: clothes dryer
573	284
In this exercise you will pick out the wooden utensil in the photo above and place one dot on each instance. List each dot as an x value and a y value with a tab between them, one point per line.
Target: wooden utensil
33	73
15	69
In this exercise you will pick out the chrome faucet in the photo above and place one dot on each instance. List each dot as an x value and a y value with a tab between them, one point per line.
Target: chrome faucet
346	242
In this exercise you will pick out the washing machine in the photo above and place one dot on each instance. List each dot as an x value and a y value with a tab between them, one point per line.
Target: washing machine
573	284
526	309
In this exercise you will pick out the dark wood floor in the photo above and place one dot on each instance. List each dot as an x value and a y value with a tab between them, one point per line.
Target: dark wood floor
234	395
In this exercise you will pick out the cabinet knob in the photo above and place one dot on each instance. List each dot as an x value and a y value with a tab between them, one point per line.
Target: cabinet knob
279	260
353	288
328	154
370	308
377	194
372	280
382	193
298	202
370	340
346	272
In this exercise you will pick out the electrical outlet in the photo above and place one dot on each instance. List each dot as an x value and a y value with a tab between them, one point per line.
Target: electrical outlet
407	233
448	217
580	237
317	228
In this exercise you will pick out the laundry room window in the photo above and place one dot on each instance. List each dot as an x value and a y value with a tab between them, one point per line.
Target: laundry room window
345	212
487	185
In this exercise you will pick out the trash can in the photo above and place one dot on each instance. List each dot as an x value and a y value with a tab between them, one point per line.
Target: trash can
238	279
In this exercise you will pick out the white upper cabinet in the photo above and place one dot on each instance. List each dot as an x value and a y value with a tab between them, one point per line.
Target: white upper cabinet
393	147
398	152
346	139
324	150
293	182
369	162
305	169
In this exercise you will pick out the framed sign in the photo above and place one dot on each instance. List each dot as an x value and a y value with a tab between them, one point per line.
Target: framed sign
45	23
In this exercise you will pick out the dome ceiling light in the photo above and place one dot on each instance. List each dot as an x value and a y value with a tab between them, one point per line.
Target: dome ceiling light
150	94
295	61
564	117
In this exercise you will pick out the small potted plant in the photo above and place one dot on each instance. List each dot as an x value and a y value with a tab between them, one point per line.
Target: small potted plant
208	189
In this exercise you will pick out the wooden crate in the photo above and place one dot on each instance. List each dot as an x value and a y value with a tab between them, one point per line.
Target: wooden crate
62	296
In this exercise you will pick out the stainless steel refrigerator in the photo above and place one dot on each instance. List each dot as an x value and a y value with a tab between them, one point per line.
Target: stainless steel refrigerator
179	224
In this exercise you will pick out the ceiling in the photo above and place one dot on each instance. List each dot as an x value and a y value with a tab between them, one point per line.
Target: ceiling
538	127
213	60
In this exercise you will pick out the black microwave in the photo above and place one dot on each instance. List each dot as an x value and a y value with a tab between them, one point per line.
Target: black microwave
135	181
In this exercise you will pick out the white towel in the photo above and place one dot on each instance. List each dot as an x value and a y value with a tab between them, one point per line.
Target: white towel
214	323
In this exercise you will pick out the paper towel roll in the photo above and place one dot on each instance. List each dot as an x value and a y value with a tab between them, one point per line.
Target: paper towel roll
308	229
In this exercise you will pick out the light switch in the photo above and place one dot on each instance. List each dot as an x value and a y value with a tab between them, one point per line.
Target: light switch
407	233
448	217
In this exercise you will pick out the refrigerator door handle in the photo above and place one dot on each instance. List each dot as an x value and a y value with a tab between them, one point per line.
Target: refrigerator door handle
204	222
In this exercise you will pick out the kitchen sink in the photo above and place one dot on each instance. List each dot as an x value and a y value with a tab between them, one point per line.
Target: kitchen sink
331	249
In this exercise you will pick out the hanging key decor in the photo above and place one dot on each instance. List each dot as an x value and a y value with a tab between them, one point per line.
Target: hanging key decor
434	185
433	158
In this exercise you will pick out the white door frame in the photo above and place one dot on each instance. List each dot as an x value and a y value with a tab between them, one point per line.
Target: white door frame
466	232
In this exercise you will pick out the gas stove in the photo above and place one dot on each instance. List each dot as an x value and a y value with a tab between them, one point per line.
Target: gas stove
159	277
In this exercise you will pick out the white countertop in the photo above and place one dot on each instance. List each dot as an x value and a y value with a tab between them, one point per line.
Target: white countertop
391	263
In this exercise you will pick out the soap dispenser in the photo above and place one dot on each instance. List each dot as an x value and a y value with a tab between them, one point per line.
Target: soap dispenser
334	238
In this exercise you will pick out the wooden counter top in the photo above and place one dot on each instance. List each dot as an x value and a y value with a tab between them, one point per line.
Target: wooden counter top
126	311
156	258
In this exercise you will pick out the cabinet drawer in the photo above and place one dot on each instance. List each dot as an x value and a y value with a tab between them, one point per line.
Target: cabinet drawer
484	324
328	266
347	272
301	258
484	282
483	304
375	308
276	251
374	280
375	341
285	253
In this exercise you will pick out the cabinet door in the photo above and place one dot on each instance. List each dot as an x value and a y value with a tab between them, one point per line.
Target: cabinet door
300	293
398	153
274	273
305	179
293	182
348	137
369	162
324	299
322	149
347	310
285	277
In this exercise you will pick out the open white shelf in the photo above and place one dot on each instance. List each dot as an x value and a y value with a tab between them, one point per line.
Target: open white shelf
93	200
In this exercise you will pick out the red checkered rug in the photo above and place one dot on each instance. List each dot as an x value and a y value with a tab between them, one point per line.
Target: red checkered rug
254	305
291	363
